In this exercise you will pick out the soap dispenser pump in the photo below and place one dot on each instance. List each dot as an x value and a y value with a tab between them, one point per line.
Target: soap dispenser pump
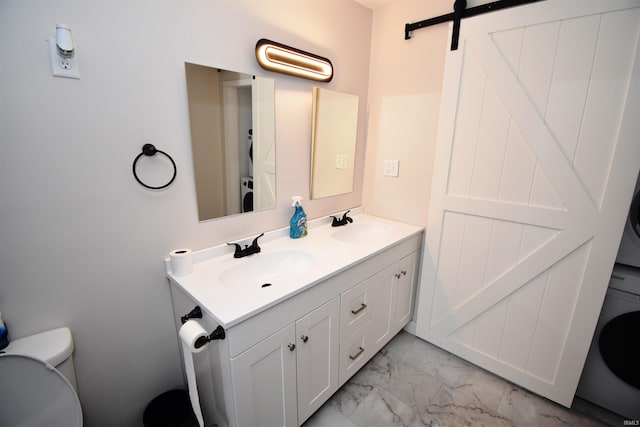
298	223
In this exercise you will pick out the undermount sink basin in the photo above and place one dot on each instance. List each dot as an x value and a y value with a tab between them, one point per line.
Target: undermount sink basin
263	270
359	232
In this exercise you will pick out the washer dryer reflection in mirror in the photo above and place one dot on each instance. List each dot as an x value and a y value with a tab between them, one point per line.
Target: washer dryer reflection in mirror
246	182
246	193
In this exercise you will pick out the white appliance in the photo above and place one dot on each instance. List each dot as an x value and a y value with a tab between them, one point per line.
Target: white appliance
39	382
246	193
611	374
629	253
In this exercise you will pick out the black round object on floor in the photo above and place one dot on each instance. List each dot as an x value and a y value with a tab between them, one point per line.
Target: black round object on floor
170	409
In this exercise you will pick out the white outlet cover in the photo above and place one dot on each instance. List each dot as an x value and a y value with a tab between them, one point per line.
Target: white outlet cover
63	67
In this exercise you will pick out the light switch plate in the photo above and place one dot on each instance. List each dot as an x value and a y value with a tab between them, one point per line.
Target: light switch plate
391	167
341	161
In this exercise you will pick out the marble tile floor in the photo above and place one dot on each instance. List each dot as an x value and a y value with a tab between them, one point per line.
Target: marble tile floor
412	383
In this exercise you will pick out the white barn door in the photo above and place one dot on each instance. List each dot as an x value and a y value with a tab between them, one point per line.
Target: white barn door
538	149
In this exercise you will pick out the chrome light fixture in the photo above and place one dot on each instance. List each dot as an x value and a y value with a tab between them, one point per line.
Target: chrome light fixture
280	58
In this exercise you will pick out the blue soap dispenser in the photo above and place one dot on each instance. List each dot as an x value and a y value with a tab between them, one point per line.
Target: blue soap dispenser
4	335
298	223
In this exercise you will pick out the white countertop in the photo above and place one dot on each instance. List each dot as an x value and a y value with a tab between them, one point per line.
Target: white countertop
229	302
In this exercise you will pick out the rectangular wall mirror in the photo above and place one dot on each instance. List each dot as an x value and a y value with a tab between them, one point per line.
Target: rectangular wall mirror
231	115
333	150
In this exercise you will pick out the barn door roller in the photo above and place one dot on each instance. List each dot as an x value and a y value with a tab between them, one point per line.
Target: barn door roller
460	11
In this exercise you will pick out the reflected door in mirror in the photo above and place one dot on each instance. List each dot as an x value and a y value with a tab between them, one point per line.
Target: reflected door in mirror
232	139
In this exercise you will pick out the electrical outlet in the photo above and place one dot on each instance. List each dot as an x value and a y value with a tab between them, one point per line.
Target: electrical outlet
60	66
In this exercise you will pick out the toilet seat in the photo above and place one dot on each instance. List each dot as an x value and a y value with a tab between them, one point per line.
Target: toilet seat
36	394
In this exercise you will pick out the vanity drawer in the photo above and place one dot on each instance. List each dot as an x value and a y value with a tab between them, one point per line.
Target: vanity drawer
355	351
355	308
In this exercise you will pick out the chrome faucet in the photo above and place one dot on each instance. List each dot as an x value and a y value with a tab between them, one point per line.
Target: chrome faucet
344	221
248	250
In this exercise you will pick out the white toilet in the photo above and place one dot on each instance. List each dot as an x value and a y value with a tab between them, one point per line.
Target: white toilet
39	382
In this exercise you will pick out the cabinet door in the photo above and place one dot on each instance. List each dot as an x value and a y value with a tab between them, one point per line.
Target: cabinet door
318	340
382	288
405	278
264	379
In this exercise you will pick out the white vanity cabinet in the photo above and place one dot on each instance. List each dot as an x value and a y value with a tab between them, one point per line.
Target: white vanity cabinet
393	290
264	382
318	338
405	289
302	356
278	366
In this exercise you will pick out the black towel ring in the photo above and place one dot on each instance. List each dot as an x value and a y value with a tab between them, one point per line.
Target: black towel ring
150	150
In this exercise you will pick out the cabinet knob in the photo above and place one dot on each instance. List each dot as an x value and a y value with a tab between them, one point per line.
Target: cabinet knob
304	338
291	347
404	272
397	275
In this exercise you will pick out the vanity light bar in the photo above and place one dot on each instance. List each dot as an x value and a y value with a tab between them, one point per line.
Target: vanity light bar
280	58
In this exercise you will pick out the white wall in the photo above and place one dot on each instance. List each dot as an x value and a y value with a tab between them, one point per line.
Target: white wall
82	242
404	100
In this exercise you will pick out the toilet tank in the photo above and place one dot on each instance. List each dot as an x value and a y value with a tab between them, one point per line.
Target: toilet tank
54	347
